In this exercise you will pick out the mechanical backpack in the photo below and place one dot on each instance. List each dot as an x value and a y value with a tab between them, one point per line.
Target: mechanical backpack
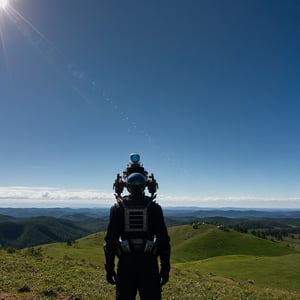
135	217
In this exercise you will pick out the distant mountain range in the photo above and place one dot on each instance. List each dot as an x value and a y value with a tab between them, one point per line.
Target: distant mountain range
231	212
53	212
168	212
23	227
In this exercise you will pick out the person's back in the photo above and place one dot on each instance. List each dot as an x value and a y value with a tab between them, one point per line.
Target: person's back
137	234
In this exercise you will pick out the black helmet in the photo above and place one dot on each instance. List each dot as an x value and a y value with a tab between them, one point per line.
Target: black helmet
136	183
136	180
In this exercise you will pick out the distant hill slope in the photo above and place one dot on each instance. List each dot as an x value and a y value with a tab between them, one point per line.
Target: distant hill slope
189	244
90	222
5	218
198	213
52	212
39	230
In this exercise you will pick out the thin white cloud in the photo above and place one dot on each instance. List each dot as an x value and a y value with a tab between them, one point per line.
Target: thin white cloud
48	196
232	201
55	197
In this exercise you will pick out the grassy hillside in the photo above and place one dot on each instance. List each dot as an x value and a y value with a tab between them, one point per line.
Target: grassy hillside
54	278
207	241
47	277
89	249
259	269
280	272
40	230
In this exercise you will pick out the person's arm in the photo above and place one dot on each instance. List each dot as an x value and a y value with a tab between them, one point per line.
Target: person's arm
163	245
111	244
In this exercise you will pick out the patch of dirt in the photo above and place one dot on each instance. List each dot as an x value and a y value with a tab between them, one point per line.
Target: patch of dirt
5	296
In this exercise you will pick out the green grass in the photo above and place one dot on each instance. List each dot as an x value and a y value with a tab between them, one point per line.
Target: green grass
71	277
207	241
62	276
295	243
201	268
280	272
89	249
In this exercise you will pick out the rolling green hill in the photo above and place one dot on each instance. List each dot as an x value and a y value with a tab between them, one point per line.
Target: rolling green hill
88	248
208	263
189	244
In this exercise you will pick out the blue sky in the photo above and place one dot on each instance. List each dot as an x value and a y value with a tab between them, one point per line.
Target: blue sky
206	91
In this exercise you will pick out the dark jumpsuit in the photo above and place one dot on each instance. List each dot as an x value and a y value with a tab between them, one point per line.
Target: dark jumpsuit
138	271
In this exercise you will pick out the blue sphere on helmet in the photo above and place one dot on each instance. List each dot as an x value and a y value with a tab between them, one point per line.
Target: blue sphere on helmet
135	158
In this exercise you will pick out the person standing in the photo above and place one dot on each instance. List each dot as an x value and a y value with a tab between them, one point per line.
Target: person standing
138	236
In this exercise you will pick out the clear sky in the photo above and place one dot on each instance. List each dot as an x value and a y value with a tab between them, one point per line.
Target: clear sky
206	91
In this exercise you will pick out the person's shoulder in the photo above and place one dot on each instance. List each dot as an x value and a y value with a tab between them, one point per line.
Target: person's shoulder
149	201
116	207
154	205
124	202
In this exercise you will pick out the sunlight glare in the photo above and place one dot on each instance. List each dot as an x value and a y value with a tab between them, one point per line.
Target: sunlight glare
3	4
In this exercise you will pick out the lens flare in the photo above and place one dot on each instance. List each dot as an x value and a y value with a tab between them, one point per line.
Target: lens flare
3	4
